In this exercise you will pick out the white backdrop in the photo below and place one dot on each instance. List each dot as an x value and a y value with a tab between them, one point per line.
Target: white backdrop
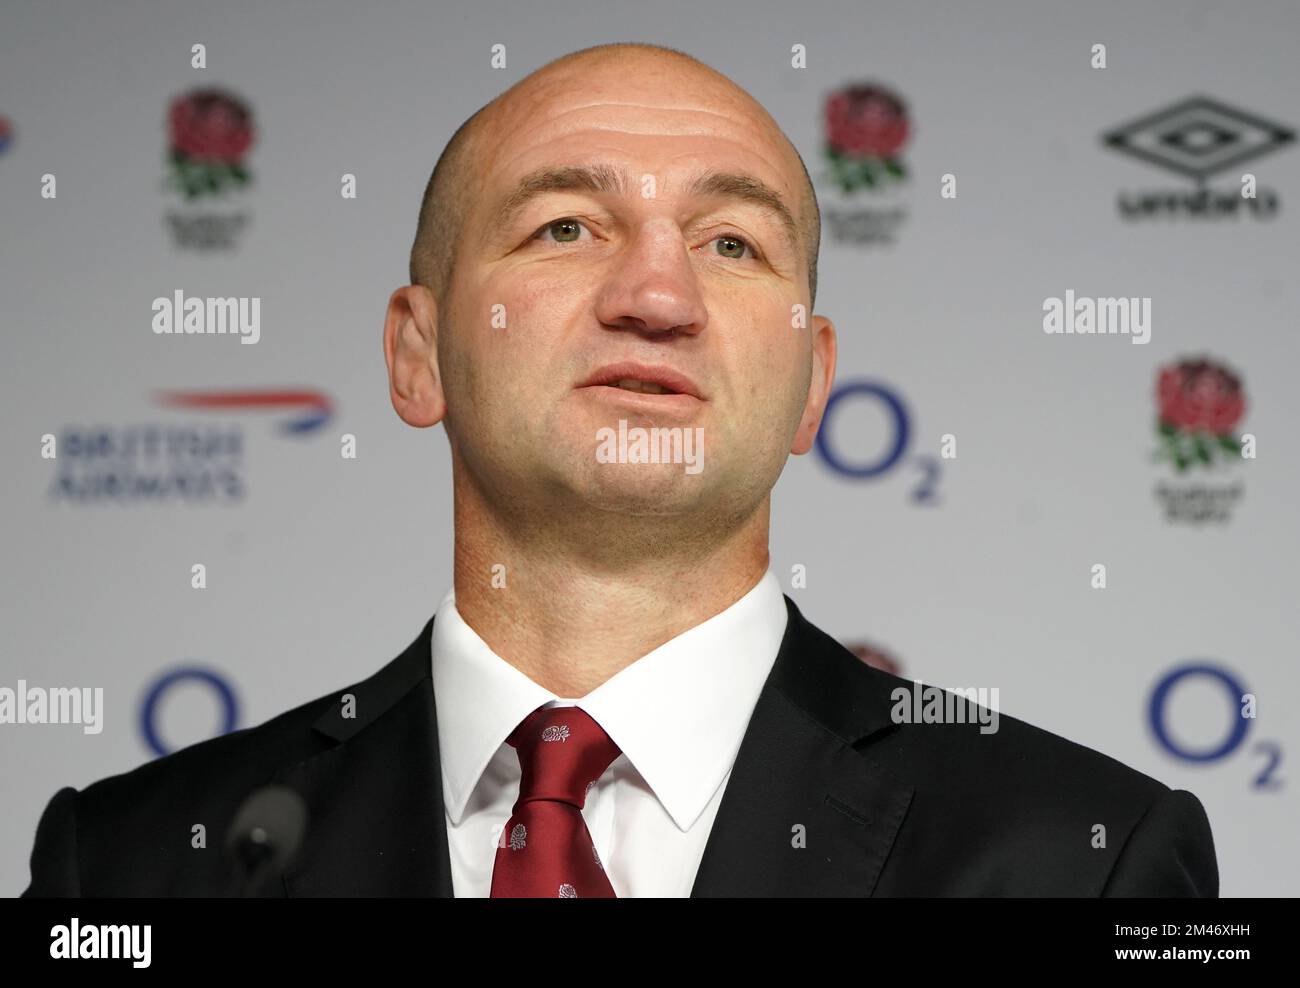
321	569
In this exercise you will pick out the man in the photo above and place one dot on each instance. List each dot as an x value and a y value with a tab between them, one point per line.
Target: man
616	699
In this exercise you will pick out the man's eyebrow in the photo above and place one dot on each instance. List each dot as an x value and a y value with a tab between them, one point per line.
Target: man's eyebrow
747	188
603	179
596	179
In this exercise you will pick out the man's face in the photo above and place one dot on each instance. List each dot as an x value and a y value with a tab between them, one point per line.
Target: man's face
572	282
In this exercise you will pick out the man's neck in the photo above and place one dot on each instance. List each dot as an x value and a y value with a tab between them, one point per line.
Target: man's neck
569	618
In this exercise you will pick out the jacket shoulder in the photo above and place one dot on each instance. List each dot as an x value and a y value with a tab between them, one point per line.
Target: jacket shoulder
1000	805
120	831
941	734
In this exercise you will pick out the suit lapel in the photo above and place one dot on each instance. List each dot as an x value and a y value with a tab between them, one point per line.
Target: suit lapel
376	824
803	775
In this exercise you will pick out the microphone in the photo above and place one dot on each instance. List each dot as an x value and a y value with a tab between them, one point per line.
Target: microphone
265	833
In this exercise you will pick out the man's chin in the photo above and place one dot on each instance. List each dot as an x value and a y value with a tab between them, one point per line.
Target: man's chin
644	489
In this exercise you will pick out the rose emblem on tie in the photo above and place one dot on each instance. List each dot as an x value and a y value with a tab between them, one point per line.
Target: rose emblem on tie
556	733
518	837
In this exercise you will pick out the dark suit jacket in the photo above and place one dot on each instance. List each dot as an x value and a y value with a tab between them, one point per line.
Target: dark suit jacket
887	809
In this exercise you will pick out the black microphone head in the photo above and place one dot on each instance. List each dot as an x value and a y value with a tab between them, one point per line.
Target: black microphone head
267	829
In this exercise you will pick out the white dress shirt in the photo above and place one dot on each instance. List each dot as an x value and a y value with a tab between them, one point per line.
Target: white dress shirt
677	714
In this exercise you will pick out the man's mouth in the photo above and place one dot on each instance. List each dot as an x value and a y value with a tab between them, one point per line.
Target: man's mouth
643	379
644	387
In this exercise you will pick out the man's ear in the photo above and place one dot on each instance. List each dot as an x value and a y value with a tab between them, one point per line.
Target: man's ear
411	352
819	386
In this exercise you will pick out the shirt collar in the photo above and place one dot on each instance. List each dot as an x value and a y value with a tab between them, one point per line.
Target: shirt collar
678	713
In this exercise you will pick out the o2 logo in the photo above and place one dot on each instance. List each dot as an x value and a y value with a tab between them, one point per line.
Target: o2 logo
156	693
896	449
1238	698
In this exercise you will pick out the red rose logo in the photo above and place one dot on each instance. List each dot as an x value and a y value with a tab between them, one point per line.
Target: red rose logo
209	131
865	121
1201	403
1198	396
210	125
866	126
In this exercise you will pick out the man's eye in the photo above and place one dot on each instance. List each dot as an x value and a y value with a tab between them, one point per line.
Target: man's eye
565	231
729	245
569	230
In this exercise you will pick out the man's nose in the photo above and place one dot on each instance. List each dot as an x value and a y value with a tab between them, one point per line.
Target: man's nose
653	286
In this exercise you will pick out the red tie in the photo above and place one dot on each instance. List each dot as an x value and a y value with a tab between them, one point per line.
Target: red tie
546	850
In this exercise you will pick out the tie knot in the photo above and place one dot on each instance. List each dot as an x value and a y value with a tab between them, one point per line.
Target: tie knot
562	751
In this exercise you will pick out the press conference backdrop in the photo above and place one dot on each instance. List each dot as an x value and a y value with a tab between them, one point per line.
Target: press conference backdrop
1100	526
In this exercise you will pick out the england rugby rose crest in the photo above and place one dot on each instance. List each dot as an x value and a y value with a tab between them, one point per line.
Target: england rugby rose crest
866	127
1200	404
209	132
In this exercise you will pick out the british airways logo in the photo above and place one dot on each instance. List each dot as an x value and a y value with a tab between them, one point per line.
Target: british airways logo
197	460
313	408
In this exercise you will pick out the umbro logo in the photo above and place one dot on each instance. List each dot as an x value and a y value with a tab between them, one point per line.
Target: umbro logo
1198	138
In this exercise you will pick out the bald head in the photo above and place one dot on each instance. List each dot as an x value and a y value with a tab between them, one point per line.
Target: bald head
457	176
